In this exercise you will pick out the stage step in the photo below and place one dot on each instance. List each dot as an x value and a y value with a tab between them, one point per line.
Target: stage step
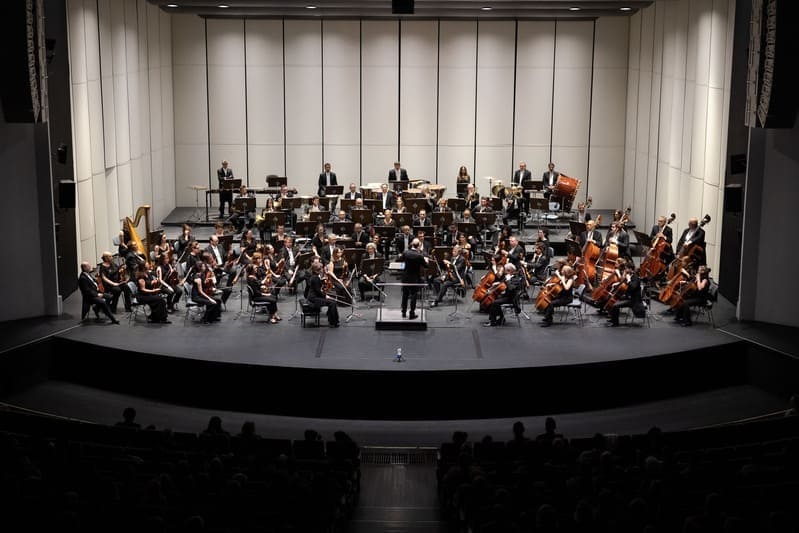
391	319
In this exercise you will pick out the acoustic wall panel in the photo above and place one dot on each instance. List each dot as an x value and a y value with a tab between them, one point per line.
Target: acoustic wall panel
303	102
111	202
341	97
534	89
456	100
82	152
418	98
714	136
698	124
380	83
107	74
495	64
77	41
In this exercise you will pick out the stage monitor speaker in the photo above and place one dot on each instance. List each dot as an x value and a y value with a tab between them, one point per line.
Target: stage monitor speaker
66	194
402	7
772	77
19	91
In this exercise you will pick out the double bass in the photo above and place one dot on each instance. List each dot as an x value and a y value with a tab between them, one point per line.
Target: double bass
652	265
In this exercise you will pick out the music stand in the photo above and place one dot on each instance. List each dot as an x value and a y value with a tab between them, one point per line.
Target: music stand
373	204
373	268
195	217
456	204
325	201
300	263
230	184
275	218
576	228
495	202
318	217
442	219
400	185
347	204
427	230
290	202
244	204
364	216
485	219
540	205
341	228
276	181
403	219
643	239
469	228
415	205
334	190
305	228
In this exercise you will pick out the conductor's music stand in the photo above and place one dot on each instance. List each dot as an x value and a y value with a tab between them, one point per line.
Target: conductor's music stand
196	216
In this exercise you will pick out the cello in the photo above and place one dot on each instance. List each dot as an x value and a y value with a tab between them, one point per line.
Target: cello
667	293
615	294
551	289
591	253
496	289
652	265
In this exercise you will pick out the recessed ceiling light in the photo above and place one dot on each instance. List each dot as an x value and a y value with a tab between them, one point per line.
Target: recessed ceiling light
486	8
223	6
171	5
575	8
310	7
625	8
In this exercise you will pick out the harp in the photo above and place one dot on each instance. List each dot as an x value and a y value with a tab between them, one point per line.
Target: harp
129	227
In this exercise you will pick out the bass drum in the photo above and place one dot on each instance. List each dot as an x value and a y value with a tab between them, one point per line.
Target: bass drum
566	187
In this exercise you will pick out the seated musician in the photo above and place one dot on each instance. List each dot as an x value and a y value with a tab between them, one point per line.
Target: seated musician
93	298
631	298
341	216
387	198
326	253
202	279
403	239
113	283
618	235
442	206
421	219
262	292
193	257
697	296
425	245
516	252
428	197
242	218
169	281
163	247
338	268
360	238
453	275
513	285
590	234
182	242
217	251
134	260
319	240
537	266
466	216
581	215
367	282
353	193
149	292
279	236
484	207
600	295
318	297
566	277
399	206
316	205
247	247
472	197
225	291
288	254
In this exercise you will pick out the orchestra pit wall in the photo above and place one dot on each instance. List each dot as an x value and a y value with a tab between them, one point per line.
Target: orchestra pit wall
678	98
120	54
284	96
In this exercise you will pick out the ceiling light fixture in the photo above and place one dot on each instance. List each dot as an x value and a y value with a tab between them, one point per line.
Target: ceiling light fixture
625	8
223	6
171	5
575	8
310	7
486	8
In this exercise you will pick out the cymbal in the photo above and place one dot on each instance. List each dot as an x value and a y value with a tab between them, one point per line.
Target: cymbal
489	178
197	187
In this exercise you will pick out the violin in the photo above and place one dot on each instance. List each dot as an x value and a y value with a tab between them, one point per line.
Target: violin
209	283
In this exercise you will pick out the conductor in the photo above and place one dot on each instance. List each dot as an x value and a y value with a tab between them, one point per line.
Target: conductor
225	194
414	261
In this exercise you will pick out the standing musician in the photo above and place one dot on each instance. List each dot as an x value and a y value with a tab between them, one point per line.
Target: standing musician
368	281
631	298
472	198
149	292
412	273
698	295
92	296
318	297
664	231
618	235
326	179
169	281
513	285
397	173
566	277
202	293
262	291
453	276
590	234
693	234
513	209
549	179
518	180
225	195
387	198
581	215
113	283
463	175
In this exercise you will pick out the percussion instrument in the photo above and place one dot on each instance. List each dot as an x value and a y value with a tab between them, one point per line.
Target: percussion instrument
438	190
566	187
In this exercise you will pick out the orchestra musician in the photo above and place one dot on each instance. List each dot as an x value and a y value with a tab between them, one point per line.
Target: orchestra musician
169	282
693	234
421	219
162	248
262	292
516	252
135	259
182	243
663	230
426	245
149	292
341	216
397	173
359	237
539	262
194	256
403	239
581	215
472	197
92	297
225	195
318	297
326	179
631	298
518	180
566	277
327	251
412	273
399	206
697	295
513	286
513	209
247	247
549	179
618	235
454	275
340	271
319	240
428	197
353	193
112	282
387	198
122	244
590	234
463	175
442	207
368	281
202	279
243	218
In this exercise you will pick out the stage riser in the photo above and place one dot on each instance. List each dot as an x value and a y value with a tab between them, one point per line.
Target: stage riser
399	394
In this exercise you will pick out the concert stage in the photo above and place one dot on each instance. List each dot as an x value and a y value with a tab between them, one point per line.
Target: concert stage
455	369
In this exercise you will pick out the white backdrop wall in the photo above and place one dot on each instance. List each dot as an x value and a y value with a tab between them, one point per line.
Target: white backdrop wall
120	55
283	97
678	97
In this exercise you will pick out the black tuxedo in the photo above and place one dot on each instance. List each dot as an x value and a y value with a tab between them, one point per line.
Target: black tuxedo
91	297
316	295
519	176
323	182
419	222
538	266
516	254
548	181
390	199
666	231
412	273
622	241
403	175
403	242
225	196
458	268
360	239
698	237
597	238
352	195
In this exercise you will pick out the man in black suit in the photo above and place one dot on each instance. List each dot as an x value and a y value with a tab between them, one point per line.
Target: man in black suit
225	195
662	229
421	219
326	178
513	286
518	178
387	198
618	235
632	297
397	173
549	179
317	296
360	238
693	234
92	297
590	234
412	273
403	239
353	193
453	276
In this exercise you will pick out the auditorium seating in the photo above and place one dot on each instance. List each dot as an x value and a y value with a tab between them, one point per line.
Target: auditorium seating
62	475
742	477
